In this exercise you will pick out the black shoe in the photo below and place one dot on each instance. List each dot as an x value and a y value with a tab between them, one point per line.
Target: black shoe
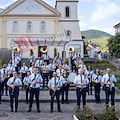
6	94
11	110
38	111
29	110
60	110
51	111
62	102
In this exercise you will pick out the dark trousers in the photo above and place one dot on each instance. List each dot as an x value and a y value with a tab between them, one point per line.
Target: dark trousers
34	91
65	88
4	84
0	90
97	92
45	76
27	92
17	68
73	65
81	92
57	94
14	95
23	75
108	92
90	88
51	74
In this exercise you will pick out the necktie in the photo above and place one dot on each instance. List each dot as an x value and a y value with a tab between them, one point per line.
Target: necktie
81	79
109	78
14	80
39	63
34	79
4	71
46	56
55	81
24	68
60	71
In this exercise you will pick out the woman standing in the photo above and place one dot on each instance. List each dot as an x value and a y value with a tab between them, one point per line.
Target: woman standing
97	80
65	81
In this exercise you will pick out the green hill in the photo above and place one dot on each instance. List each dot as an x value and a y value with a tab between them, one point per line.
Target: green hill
92	34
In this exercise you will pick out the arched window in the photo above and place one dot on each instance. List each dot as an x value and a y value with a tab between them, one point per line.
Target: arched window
15	26
42	26
68	33
67	11
29	26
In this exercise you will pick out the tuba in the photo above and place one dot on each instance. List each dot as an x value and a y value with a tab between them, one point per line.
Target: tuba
44	50
71	49
16	49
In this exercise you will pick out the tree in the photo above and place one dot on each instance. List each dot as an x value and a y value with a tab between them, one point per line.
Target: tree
114	44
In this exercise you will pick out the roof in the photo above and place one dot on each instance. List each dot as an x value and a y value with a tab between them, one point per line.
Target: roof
116	25
88	48
44	42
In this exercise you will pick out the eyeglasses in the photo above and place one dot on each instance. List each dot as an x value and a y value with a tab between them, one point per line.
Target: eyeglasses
54	74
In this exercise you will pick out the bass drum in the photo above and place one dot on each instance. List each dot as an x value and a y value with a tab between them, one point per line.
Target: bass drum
72	76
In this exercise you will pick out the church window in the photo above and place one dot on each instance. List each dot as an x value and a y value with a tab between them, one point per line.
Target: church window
68	34
67	10
15	26
42	26
29	26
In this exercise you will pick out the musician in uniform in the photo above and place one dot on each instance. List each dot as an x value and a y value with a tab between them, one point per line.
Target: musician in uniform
25	81
59	57
57	61
52	68
14	83
73	57
1	80
96	78
10	69
54	85
11	61
65	66
46	58
31	68
23	72
83	67
59	71
32	59
34	81
65	81
17	61
109	80
20	56
45	73
4	71
89	73
81	82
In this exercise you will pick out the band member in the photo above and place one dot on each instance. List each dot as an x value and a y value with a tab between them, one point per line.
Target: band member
4	71
20	56
39	62
1	80
17	61
23	72
96	78
81	82
59	57
14	83
32	59
59	71
11	61
65	81
45	73
109	80
31	68
54	85
52	68
34	81
10	69
83	66
65	66
89	72
46	58
57	61
25	81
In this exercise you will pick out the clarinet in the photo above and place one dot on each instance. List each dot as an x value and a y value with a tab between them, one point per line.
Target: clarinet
110	86
12	92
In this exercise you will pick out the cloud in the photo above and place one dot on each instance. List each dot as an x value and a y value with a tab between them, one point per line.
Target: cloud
104	10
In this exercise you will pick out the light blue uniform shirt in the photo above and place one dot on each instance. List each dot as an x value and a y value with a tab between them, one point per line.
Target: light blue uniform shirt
11	68
22	70
46	57
1	78
63	79
65	66
87	72
60	57
47	67
17	81
53	67
33	59
58	61
106	79
2	71
83	67
51	83
26	79
94	77
20	55
78	80
38	78
31	70
38	63
58	71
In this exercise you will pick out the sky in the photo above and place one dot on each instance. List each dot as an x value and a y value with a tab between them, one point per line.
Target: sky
93	14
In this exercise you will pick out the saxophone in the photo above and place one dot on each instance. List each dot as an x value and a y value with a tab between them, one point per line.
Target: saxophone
5	75
50	66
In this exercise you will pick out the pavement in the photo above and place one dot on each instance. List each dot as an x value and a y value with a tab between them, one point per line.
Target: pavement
68	110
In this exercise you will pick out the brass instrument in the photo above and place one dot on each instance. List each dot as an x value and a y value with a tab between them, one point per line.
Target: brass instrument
16	49
44	50
56	61
71	49
50	66
5	75
77	61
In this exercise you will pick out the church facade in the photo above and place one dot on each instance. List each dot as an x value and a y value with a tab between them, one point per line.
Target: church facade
38	20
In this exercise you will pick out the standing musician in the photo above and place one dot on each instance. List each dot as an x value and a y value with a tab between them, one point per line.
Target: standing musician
83	66
52	68
109	80
65	81
20	56
59	57
96	78
31	68
89	72
10	69
45	73
11	61
81	83
54	85
25	81
34	81
4	71
46	58
23	72
14	83
1	80
17	60
59	71
73	57
57	61
32	59
65	66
